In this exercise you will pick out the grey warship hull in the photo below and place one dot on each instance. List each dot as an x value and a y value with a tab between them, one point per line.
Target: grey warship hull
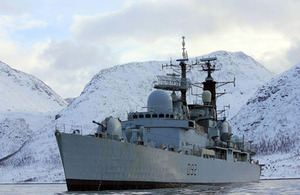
172	144
93	163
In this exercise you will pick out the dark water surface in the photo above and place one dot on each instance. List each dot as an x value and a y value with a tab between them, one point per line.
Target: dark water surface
291	186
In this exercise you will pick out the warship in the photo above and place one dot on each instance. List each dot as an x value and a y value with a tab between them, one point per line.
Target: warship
172	144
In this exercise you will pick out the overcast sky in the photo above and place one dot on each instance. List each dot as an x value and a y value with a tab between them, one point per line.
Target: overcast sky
66	42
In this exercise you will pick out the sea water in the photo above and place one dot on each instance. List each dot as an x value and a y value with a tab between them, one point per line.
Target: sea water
290	186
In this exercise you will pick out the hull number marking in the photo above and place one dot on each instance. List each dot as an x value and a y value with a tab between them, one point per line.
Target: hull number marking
191	169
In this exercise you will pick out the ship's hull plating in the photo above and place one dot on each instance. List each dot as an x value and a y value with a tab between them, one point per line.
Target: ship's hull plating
92	163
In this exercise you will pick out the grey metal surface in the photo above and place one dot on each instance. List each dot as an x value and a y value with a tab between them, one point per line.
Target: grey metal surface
92	158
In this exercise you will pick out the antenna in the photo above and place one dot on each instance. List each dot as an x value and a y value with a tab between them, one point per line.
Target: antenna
184	53
220	84
224	112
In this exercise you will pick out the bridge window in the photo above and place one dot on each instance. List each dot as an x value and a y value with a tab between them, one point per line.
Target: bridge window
141	116
167	116
148	116
171	116
134	116
161	115
154	115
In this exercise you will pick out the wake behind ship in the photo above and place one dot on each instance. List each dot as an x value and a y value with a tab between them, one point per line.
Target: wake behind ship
173	144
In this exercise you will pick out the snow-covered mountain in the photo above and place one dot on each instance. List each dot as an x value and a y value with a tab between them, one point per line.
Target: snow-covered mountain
121	89
21	92
37	160
27	104
271	118
115	92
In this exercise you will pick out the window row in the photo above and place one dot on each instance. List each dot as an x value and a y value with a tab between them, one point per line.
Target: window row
152	115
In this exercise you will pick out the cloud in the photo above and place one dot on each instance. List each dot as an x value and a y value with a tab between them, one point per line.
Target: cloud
147	29
66	57
14	6
293	53
147	20
26	22
70	65
70	55
64	65
11	24
17	54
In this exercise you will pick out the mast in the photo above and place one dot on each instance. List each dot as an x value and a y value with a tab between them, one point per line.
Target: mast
183	71
209	83
173	82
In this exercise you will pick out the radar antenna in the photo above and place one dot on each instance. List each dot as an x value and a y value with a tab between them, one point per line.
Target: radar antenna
174	83
184	53
209	83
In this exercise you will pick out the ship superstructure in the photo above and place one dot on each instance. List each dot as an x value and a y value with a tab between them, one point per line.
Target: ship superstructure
172	144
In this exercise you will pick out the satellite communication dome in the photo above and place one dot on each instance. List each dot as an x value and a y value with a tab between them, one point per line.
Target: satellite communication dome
206	96
225	126
235	138
229	127
159	101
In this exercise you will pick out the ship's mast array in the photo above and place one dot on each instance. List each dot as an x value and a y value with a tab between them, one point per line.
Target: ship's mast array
173	82
182	127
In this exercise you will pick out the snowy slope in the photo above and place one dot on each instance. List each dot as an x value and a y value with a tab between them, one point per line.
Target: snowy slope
37	161
124	88
17	128
21	92
114	92
280	165
26	105
249	75
271	119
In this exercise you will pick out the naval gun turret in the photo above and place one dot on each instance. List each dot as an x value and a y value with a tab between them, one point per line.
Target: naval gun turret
110	127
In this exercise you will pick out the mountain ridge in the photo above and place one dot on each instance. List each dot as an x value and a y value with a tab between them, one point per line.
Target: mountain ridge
271	119
22	92
26	103
131	87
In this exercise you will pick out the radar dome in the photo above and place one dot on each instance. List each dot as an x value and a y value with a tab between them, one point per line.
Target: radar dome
235	138
159	101
206	96
225	126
